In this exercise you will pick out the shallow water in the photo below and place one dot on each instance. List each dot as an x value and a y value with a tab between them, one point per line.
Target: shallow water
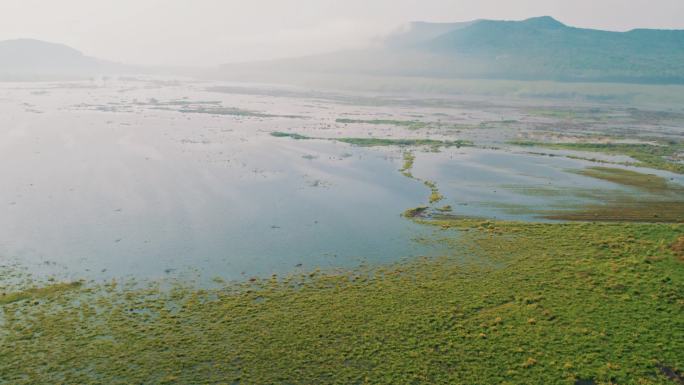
511	185
101	194
113	180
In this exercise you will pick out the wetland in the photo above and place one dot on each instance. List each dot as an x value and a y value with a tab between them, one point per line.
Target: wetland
208	232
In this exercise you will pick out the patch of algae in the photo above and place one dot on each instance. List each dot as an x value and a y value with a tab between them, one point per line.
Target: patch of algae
538	303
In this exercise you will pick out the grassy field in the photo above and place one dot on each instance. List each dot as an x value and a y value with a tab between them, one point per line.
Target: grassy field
515	303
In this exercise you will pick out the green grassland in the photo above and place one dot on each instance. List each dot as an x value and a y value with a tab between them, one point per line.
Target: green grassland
515	303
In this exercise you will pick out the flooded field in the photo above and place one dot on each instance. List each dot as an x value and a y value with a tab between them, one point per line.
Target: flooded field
148	178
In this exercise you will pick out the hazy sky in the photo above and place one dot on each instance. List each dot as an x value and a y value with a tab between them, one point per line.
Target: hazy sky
207	32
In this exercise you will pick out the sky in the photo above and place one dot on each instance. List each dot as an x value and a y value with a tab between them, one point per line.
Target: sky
210	32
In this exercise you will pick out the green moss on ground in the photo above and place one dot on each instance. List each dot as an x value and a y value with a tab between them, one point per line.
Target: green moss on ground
537	303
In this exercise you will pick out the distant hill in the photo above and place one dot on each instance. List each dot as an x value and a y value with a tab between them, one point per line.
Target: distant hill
28	59
539	48
534	49
545	48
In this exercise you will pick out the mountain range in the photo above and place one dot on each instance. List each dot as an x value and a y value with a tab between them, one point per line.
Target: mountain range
30	59
545	48
540	48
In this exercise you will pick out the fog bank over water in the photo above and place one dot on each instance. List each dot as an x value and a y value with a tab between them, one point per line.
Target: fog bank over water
211	32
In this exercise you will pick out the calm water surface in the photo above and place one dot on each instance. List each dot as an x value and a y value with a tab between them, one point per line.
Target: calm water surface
102	181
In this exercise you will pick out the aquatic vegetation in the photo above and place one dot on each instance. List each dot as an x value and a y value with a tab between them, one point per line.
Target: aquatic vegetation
651	198
415	212
515	303
445	209
417	124
185	103
631	178
664	203
410	124
378	142
435	195
375	142
409	159
663	156
624	210
536	190
280	134
233	111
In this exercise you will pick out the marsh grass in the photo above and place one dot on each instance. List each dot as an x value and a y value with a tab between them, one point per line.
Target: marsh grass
380	142
38	293
409	124
662	156
409	160
540	303
233	111
624	210
648	182
280	134
662	201
377	142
